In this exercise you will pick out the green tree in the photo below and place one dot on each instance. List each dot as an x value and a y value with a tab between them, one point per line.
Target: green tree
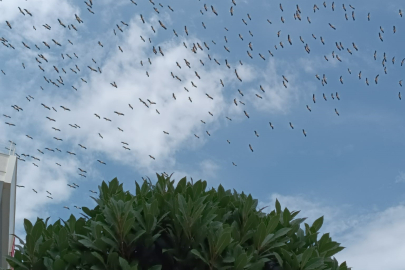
182	227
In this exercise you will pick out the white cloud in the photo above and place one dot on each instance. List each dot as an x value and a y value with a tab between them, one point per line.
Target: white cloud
209	168
400	178
276	98
143	127
374	243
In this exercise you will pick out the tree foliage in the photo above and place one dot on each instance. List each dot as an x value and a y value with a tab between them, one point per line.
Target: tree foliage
184	226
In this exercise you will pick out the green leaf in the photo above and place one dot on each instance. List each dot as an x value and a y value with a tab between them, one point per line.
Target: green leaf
278	257
30	245
59	264
317	225
87	211
275	245
278	207
63	239
72	258
126	266
89	244
181	185
281	232
241	261
297	221
314	263
286	256
46	221
294	214
295	263
110	242
334	251
305	257
27	226
259	235
128	224
37	231
223	241
328	246
258	265
286	217
267	240
12	260
99	257
343	266
198	255
112	260
44	247
48	262
134	237
272	225
229	259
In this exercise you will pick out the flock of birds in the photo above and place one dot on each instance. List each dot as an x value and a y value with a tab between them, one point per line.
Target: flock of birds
53	74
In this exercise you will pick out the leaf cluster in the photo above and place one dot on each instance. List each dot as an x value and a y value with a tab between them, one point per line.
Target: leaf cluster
181	227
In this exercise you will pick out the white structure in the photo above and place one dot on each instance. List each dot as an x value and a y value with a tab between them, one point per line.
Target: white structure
8	181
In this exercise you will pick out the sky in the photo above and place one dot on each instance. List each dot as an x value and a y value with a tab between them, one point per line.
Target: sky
348	168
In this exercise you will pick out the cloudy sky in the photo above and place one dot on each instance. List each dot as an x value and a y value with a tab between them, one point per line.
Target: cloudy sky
349	167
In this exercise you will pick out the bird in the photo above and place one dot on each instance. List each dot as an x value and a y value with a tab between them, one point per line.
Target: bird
261	88
250	146
303	131
101	162
292	127
333	27
337	112
213	10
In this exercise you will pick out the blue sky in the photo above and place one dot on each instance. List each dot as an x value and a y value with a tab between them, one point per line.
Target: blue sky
349	168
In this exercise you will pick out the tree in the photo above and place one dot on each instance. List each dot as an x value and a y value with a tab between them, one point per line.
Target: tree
183	226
